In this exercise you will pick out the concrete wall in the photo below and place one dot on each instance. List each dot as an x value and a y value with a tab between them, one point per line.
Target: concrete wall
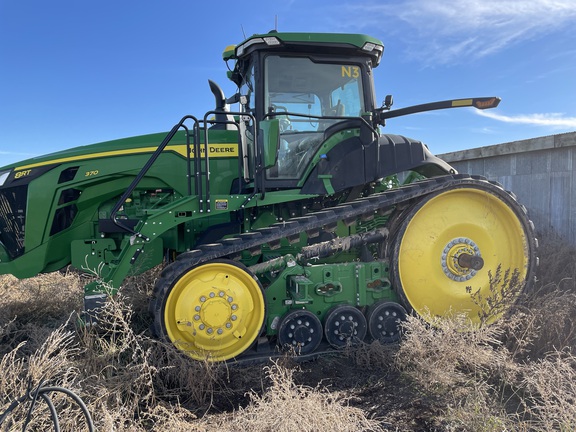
540	171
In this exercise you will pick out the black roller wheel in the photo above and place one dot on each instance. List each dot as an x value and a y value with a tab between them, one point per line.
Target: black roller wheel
344	325
385	321
300	330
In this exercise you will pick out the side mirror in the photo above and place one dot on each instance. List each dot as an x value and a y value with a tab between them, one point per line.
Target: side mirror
270	133
388	101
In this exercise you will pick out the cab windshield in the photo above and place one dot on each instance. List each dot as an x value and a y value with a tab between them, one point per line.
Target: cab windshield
305	89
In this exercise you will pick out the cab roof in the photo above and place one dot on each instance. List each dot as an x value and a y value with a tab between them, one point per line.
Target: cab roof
337	43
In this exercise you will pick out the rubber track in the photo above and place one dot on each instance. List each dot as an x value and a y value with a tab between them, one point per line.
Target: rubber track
368	205
252	241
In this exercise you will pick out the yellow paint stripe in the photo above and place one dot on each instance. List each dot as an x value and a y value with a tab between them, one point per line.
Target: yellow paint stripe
215	150
462	102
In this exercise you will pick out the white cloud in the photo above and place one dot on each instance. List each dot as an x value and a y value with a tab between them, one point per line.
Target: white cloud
452	30
538	119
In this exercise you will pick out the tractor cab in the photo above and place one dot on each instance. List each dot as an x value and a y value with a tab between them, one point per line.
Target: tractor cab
298	88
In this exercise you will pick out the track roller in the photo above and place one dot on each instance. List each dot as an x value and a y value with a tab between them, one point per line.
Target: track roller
300	330
344	325
385	321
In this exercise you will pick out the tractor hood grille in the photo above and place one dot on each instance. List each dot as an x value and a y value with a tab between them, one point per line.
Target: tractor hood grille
12	219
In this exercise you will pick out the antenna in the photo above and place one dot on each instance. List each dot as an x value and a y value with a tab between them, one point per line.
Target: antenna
276	22
242	27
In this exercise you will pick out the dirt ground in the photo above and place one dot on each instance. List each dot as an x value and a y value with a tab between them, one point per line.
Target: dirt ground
380	391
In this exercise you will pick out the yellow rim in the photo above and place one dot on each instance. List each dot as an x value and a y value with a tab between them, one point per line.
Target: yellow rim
465	221
214	311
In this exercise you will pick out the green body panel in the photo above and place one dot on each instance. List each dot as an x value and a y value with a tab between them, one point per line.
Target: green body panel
319	288
84	183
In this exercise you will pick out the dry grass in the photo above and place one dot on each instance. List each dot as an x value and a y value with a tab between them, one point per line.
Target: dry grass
517	375
131	382
286	406
509	376
462	366
449	351
127	379
550	384
51	362
557	261
31	309
546	322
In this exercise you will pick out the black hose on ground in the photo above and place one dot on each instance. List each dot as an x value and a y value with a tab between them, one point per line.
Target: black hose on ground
43	392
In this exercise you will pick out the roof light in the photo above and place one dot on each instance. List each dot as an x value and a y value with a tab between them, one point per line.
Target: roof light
241	48
270	41
370	46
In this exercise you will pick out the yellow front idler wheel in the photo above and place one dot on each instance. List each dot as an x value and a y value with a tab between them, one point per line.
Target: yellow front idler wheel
449	243
214	311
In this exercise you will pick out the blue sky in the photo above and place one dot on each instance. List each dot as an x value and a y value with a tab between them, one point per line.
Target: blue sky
75	72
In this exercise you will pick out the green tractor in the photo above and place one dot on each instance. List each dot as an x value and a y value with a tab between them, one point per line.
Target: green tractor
291	222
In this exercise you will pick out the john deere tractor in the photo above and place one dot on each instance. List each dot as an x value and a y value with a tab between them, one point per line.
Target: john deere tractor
290	221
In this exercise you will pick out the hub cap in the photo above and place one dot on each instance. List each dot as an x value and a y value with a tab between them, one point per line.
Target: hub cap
452	259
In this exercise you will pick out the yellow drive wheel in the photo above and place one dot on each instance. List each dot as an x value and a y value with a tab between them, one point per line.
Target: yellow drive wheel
449	243
214	311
